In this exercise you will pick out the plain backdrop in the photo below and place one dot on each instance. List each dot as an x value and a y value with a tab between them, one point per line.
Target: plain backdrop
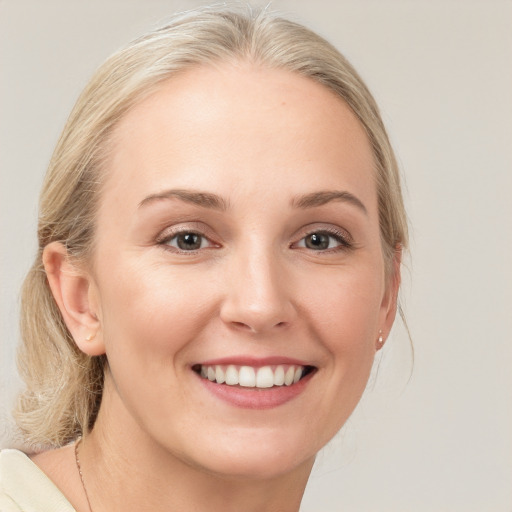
441	71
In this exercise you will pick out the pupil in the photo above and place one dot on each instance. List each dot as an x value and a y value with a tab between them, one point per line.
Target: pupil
317	241
189	241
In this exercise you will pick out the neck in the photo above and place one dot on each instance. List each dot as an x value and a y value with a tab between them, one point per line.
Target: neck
124	470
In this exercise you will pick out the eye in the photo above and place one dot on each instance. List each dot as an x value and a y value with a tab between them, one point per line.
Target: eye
324	241
187	241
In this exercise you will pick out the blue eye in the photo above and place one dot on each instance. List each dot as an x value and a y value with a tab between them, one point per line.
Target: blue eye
188	241
322	241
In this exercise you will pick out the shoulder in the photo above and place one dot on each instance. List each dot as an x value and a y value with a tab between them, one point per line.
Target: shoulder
25	488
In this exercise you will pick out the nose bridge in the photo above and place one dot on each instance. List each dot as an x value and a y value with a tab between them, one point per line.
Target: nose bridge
257	296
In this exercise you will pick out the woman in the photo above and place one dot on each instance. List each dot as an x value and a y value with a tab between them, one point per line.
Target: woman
220	237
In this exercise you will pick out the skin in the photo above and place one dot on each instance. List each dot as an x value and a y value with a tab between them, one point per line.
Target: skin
259	140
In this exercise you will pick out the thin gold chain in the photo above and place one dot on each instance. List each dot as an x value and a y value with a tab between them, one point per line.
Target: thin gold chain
80	473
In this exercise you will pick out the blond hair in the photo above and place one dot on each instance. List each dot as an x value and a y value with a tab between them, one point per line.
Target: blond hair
63	385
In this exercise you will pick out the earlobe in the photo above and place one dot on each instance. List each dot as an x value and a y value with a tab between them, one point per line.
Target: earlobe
380	340
71	287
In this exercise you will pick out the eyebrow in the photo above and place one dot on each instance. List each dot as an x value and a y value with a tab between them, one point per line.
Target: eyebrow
204	199
213	201
323	197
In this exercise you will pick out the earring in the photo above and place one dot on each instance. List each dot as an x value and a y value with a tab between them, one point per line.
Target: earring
90	337
381	338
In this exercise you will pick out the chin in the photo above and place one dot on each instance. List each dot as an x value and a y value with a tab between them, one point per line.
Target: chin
255	458
260	468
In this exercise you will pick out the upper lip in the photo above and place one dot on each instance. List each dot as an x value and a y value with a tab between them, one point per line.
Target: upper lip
254	361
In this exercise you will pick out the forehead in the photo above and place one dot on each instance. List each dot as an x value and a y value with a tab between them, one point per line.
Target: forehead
237	126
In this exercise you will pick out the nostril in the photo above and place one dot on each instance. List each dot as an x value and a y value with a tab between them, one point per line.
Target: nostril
248	327
241	325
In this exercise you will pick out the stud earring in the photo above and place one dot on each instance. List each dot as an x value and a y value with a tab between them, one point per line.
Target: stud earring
90	337
381	338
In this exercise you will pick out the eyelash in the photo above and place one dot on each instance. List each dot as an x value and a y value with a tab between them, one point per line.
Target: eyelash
165	239
340	237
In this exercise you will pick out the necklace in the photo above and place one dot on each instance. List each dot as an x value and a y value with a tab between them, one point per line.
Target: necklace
80	473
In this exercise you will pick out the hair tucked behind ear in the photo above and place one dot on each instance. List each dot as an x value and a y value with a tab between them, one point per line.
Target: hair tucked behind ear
63	385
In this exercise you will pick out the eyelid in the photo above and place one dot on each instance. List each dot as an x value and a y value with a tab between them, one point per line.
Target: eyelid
344	238
188	227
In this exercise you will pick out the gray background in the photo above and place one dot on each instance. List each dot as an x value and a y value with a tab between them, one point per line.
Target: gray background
441	72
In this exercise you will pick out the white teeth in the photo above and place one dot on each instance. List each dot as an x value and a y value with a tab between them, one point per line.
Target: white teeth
220	376
250	377
289	375
231	375
279	376
247	377
265	377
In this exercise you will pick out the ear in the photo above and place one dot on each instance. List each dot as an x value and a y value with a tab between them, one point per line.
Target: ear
75	294
390	299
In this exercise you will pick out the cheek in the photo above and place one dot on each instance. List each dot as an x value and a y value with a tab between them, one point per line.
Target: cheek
346	319
149	319
346	306
151	314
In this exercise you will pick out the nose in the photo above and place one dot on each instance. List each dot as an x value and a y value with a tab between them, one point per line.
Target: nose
258	296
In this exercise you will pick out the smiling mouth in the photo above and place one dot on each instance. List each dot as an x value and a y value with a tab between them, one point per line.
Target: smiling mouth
263	377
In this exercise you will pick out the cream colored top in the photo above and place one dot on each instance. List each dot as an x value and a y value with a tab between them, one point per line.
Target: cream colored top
25	488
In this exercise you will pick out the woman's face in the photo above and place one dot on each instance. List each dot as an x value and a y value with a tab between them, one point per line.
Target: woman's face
238	238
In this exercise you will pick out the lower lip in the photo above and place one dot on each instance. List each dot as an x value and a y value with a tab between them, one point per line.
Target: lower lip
256	398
